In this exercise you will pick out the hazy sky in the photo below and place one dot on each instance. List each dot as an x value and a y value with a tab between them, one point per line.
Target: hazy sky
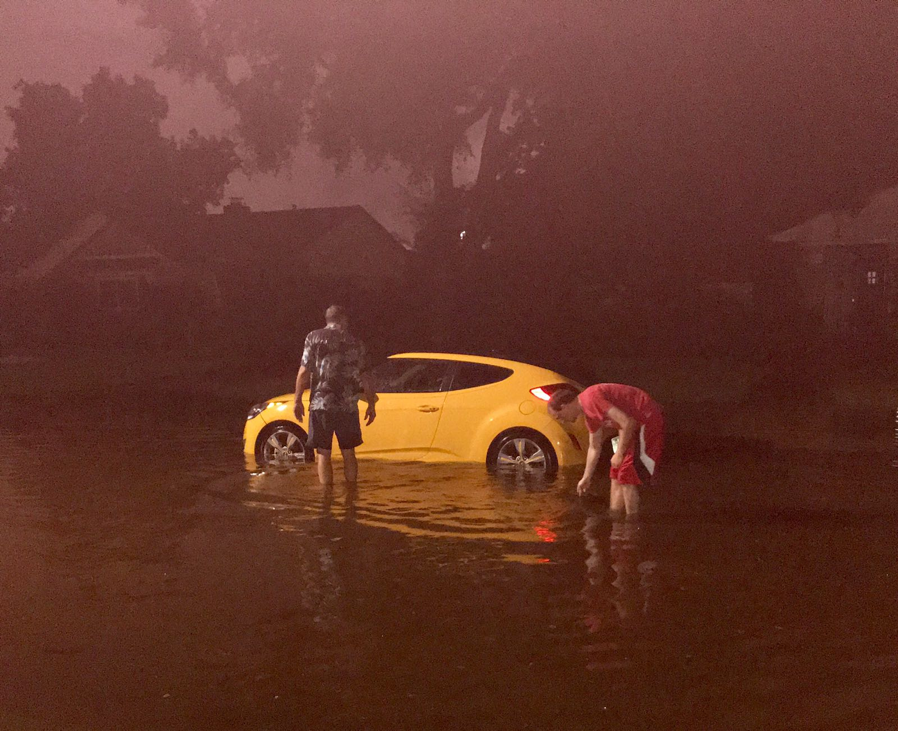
66	41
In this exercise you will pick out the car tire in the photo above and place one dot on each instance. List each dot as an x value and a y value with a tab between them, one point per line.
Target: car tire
280	443
522	450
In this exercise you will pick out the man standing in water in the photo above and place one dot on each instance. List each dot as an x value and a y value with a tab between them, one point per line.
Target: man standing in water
639	423
335	366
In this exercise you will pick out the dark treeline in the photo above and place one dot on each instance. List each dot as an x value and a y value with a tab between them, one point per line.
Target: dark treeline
635	158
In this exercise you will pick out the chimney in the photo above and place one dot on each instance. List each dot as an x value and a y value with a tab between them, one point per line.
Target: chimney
236	207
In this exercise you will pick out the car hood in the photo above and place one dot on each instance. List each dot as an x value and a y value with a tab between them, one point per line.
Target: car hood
287	397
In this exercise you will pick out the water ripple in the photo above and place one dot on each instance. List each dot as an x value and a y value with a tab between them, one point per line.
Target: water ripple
494	596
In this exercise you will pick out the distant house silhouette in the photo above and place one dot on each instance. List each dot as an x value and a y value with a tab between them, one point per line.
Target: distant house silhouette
241	265
845	264
114	268
342	250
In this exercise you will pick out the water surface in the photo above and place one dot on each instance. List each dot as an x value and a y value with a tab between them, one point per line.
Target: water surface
150	580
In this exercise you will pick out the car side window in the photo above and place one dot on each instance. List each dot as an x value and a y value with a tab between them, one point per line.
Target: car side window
410	375
471	375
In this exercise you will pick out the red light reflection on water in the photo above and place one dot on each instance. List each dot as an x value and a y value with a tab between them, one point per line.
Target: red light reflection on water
544	530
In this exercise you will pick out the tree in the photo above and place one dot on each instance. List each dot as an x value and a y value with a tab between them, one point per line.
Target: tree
103	152
643	118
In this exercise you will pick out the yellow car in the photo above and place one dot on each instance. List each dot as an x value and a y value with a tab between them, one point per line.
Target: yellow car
439	407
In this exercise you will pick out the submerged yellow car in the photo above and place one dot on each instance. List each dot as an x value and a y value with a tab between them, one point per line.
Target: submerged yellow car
439	407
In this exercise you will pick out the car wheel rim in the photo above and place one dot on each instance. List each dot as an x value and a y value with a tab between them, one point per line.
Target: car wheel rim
521	453
282	446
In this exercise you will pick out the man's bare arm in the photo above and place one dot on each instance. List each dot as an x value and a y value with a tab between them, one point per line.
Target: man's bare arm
302	383
370	397
628	427
596	439
368	388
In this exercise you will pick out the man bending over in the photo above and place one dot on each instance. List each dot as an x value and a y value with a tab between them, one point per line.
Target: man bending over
639	423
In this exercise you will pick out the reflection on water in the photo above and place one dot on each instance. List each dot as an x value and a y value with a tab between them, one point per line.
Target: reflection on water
150	581
620	588
519	513
620	576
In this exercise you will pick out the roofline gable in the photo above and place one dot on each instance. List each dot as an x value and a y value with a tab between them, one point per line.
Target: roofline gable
82	232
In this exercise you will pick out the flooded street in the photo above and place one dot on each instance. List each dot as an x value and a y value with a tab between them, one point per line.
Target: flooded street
151	580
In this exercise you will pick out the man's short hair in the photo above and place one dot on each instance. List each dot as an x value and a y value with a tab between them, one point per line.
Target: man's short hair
562	397
335	314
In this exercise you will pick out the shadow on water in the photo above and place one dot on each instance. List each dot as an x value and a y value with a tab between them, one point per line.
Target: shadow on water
151	581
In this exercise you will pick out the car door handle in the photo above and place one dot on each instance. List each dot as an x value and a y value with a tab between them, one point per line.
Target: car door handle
428	409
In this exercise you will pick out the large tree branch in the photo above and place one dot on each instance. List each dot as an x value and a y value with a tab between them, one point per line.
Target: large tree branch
491	101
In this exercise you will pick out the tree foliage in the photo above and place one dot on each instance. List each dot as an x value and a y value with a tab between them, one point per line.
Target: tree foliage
104	151
636	121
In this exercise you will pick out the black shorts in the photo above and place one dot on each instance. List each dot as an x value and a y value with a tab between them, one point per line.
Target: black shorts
324	424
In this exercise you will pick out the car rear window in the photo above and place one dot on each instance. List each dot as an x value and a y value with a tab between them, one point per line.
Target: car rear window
471	375
410	375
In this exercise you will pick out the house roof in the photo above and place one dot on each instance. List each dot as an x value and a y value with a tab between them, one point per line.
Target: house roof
241	232
83	231
875	223
236	235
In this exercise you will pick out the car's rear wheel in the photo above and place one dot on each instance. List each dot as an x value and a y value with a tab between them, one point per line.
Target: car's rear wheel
280	443
522	450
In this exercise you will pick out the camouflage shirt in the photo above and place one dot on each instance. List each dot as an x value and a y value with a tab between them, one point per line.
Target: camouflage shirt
335	361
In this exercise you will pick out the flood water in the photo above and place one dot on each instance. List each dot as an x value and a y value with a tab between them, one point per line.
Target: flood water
151	581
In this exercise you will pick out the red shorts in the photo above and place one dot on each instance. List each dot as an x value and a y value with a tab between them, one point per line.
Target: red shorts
641	461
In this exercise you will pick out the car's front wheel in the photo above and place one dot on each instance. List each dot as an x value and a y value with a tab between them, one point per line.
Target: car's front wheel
522	450
280	443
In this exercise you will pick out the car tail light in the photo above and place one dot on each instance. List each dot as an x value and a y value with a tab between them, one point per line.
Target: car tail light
544	393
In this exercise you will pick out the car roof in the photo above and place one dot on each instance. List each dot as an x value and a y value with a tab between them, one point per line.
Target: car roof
464	357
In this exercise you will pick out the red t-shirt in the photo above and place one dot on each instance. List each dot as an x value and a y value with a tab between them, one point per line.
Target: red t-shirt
634	402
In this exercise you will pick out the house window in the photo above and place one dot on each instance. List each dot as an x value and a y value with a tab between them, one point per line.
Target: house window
872	277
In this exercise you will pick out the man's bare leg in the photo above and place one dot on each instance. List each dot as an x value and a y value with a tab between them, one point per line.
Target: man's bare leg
631	498
616	504
325	468
350	466
352	492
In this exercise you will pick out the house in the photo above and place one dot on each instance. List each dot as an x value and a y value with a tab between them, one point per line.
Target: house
109	276
845	266
341	252
107	279
112	266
